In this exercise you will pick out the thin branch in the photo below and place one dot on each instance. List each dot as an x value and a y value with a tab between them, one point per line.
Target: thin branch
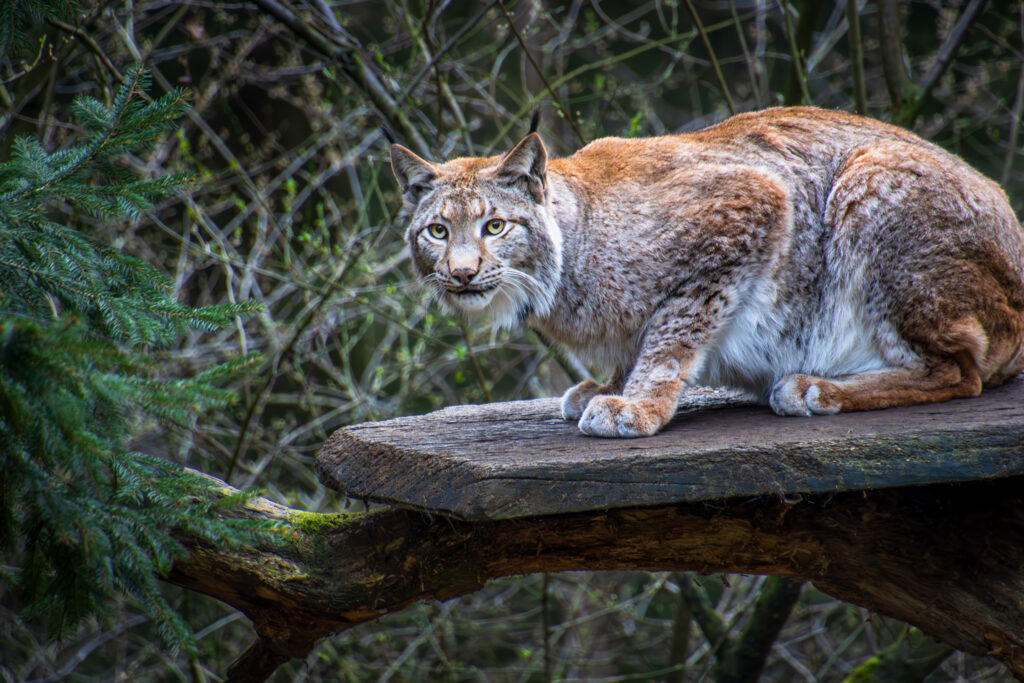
860	91
452	42
1018	109
794	49
90	43
354	66
942	61
711	55
795	90
29	67
890	45
755	85
566	112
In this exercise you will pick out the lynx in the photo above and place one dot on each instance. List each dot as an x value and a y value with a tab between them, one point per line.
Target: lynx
824	261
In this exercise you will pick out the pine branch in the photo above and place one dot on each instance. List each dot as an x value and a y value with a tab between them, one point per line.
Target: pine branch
81	516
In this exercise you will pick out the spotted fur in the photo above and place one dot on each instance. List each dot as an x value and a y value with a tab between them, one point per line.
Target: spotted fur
826	262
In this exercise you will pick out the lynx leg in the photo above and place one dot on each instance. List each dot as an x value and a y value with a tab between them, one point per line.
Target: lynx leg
670	353
575	400
940	381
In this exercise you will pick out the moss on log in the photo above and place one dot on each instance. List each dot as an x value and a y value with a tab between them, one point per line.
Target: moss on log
948	559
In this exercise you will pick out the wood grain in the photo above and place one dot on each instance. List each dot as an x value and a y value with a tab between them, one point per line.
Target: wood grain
516	459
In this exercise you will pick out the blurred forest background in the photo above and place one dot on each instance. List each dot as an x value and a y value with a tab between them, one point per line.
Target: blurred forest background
294	206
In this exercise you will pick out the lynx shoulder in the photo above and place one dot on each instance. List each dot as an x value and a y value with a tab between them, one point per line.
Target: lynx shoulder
825	261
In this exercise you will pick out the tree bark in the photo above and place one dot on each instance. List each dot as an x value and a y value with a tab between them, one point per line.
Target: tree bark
948	559
744	658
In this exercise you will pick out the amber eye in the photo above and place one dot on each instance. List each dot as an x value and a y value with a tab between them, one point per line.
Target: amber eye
495	227
437	231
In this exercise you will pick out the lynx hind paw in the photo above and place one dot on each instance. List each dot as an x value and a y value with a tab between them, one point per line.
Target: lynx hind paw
615	416
805	396
575	401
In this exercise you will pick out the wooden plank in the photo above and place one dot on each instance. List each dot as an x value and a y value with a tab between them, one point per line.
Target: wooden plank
516	459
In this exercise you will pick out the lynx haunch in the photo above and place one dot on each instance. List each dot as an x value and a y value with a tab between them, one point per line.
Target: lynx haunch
826	262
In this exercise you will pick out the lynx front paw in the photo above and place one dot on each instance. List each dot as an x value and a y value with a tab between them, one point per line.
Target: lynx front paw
575	401
805	395
616	416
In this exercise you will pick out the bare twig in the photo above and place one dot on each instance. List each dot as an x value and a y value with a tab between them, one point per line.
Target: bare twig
91	44
942	61
28	67
755	84
354	66
566	112
890	45
711	55
794	50
860	92
1018	109
795	90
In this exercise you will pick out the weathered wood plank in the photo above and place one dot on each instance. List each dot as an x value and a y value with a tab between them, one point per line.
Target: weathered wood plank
516	459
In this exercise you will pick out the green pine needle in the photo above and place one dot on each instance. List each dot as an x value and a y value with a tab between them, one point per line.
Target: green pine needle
80	323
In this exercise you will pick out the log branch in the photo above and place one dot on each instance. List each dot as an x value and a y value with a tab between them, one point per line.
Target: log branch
948	559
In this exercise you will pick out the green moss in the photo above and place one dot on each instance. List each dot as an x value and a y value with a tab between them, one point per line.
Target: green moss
318	524
863	673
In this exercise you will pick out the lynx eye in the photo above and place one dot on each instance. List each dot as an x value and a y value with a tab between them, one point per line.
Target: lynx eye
495	227
437	231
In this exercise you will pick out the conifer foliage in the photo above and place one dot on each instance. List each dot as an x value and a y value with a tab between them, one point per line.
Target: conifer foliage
81	328
19	20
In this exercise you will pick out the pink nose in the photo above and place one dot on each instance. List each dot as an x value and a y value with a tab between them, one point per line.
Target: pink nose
464	275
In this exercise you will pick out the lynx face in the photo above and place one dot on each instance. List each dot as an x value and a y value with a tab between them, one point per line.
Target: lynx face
481	233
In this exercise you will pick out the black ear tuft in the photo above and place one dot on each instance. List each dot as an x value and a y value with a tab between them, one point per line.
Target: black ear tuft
387	135
534	120
526	164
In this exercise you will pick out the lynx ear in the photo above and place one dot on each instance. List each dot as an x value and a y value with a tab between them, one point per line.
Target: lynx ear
526	165
415	175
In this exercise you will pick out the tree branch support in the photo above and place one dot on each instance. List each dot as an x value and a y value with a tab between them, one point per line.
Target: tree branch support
948	559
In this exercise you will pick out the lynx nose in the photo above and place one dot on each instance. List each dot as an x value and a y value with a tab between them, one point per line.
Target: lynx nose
464	275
